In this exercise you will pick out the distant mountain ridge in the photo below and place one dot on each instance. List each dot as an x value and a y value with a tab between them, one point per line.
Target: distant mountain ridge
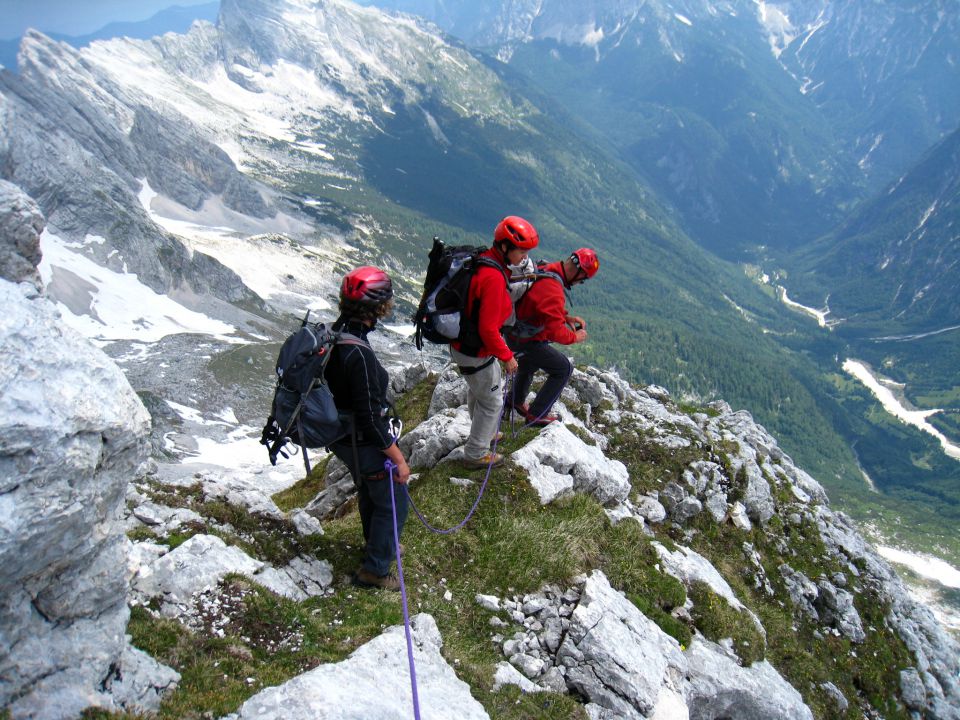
883	73
173	19
894	262
762	122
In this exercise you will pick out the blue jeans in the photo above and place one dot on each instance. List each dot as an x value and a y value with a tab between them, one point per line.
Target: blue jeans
373	499
533	356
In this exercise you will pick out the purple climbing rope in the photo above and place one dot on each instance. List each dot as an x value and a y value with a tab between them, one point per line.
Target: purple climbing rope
403	594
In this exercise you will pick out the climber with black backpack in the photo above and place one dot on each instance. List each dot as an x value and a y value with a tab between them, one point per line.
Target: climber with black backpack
477	344
359	384
351	380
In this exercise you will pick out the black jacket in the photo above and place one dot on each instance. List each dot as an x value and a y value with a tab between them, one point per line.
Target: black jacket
359	386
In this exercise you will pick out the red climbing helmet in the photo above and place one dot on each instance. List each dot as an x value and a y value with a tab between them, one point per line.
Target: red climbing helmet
516	231
367	285
587	260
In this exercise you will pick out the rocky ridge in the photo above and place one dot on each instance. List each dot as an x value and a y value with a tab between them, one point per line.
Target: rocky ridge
588	639
714	475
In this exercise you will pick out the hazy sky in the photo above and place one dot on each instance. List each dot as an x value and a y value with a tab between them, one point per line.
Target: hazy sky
76	17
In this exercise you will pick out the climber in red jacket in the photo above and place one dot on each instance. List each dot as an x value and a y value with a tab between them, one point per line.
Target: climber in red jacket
541	319
488	307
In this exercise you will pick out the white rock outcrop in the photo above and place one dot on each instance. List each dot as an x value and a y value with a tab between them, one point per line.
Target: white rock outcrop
72	435
374	682
618	658
558	462
720	687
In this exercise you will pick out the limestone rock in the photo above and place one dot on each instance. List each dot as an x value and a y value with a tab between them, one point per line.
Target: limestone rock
507	674
434	439
587	387
374	682
650	509
936	651
72	435
719	687
21	223
556	453
196	565
337	494
803	591
615	656
450	392
836	607
138	682
305	523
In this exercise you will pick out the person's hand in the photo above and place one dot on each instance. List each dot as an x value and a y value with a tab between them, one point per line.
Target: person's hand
576	323
402	472
580	336
510	366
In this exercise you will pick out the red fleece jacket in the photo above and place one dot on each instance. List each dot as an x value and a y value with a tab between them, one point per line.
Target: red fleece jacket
488	285
545	304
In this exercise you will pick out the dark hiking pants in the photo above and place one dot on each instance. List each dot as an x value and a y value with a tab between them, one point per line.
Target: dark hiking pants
373	499
533	356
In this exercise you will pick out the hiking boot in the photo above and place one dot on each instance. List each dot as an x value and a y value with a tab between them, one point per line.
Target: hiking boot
535	421
491	458
365	578
496	438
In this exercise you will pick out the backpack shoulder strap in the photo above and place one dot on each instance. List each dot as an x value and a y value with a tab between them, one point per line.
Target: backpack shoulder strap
345	338
541	274
494	264
338	338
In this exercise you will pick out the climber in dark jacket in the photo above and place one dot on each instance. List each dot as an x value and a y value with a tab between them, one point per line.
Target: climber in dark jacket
359	386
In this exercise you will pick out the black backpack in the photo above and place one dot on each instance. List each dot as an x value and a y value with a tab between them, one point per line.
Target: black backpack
303	411
440	316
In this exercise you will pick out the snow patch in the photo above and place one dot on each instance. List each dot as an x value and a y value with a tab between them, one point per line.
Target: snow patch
263	263
106	305
593	37
862	163
780	31
240	449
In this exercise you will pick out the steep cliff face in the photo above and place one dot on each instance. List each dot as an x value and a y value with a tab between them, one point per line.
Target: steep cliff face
82	148
883	72
72	435
894	262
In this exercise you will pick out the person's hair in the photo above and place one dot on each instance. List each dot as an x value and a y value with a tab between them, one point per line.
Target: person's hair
357	310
